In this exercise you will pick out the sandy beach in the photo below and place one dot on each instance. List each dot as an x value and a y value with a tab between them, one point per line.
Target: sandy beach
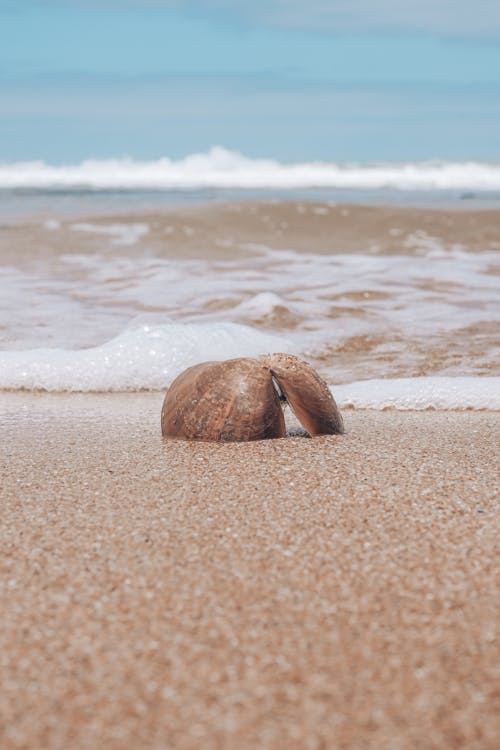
297	186
330	593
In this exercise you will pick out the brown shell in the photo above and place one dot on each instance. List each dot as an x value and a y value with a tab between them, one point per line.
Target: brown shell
228	401
307	393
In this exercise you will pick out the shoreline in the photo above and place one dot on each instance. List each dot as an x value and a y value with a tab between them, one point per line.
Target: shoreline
287	593
410	292
237	229
32	205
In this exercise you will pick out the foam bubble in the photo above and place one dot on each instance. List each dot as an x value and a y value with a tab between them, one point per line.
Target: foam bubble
148	357
421	393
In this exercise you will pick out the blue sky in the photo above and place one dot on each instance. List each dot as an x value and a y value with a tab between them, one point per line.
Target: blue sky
338	80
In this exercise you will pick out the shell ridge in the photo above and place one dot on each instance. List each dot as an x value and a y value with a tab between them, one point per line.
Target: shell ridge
307	394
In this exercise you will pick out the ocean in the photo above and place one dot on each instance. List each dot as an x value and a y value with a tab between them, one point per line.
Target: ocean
118	274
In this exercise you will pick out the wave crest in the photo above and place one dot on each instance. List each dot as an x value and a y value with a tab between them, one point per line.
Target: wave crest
220	168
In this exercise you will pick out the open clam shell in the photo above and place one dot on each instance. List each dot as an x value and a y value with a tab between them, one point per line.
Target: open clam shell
224	401
307	393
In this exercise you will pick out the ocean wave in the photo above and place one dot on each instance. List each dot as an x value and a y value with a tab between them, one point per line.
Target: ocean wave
149	357
146	357
220	168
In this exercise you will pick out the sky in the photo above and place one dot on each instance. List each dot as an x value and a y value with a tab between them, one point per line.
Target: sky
337	80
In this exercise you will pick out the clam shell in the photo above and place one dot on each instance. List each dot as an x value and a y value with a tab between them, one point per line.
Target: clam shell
307	393
227	401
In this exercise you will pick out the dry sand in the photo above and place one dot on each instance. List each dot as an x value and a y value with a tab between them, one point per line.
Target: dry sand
292	594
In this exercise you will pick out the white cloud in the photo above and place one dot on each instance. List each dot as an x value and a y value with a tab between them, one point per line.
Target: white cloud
481	17
448	17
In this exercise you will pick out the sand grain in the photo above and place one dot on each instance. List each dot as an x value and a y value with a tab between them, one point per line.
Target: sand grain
329	593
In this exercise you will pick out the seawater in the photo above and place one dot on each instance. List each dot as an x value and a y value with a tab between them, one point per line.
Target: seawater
410	330
149	357
78	322
93	186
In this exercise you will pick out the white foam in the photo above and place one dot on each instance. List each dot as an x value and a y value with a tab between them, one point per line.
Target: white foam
145	357
52	224
438	298
221	168
123	234
421	393
262	305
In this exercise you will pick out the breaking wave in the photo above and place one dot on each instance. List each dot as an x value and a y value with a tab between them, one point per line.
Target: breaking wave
220	168
146	357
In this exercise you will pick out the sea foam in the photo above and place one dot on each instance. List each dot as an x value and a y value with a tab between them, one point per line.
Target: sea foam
149	357
421	393
120	234
145	357
224	169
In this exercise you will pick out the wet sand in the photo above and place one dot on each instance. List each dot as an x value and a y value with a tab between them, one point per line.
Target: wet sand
222	230
101	270
331	593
